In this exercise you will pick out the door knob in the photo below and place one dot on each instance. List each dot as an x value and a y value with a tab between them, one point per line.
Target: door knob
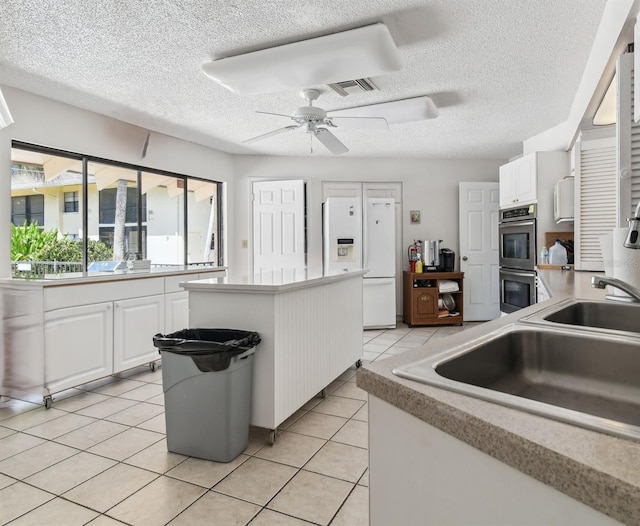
464	258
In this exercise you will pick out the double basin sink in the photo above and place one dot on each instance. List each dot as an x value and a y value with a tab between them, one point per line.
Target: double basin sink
576	361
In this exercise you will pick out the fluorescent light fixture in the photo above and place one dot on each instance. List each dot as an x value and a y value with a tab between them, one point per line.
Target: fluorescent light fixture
363	52
606	112
5	114
395	111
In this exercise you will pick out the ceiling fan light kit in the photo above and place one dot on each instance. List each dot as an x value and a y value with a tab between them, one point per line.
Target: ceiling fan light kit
357	53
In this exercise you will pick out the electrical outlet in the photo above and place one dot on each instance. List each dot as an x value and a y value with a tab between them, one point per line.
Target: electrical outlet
245	243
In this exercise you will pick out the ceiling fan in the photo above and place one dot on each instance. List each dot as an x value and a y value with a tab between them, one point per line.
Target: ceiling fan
316	122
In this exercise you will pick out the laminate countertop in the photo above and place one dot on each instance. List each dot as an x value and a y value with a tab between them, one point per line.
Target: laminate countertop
269	282
600	470
84	278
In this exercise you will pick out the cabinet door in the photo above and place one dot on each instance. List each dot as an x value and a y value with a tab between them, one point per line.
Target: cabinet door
176	312
135	322
508	184
425	304
526	184
78	345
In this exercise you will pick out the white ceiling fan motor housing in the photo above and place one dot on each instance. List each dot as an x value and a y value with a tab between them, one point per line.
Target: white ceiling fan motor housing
309	113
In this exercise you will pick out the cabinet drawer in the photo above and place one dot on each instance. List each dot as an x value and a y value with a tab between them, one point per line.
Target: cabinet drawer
85	294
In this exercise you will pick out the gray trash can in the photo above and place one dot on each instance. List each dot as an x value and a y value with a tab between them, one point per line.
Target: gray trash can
206	379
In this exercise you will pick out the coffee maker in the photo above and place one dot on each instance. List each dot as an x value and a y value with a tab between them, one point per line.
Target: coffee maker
447	260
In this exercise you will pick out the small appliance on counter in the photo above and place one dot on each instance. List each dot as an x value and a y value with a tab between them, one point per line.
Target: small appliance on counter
431	256
447	260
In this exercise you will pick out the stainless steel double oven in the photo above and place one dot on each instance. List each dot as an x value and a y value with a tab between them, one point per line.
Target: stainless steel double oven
517	233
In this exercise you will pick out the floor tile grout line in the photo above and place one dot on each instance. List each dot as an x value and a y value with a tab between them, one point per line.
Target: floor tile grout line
342	382
343	503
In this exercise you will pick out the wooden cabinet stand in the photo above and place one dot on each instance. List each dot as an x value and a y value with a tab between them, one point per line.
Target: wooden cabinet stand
421	293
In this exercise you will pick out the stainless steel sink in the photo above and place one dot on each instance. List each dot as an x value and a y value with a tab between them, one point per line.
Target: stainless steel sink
607	315
568	375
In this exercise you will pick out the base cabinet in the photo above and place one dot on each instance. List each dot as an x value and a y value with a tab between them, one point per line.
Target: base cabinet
176	312
425	304
60	335
79	345
135	321
419	474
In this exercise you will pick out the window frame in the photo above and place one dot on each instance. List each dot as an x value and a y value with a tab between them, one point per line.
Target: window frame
75	201
183	182
28	213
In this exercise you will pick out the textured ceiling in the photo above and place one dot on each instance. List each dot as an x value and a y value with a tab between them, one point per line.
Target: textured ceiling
500	71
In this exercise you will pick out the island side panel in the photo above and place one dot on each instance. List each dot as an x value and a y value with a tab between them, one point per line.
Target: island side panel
345	325
22	356
318	337
250	311
418	474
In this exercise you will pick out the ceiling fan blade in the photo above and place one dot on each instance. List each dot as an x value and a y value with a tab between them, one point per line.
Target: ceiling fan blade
271	133
330	141
360	123
395	111
271	113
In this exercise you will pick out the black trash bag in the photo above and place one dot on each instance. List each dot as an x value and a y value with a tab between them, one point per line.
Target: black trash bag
210	349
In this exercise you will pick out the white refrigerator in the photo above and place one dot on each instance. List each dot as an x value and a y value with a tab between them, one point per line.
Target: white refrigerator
379	256
354	238
342	234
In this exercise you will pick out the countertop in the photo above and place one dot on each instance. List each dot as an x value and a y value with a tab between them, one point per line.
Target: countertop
77	278
599	470
268	282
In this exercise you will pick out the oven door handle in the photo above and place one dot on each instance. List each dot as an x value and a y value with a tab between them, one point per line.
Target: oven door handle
517	273
516	224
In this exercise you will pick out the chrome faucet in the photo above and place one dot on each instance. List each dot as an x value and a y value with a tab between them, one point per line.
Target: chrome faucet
600	282
633	235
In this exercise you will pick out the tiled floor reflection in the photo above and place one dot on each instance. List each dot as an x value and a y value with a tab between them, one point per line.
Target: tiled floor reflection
99	457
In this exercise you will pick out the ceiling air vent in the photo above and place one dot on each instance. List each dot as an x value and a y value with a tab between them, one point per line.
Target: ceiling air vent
352	87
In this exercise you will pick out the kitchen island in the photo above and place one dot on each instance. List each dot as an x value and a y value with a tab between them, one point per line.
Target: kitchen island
310	326
440	457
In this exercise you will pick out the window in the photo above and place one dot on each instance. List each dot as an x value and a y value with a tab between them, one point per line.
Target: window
27	209
129	212
71	203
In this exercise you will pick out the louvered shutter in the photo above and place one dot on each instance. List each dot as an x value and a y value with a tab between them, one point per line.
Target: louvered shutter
628	133
596	200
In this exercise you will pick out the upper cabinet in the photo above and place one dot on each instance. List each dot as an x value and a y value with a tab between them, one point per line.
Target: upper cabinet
526	180
519	181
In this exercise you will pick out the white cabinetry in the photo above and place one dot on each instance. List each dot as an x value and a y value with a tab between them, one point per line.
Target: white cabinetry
519	181
97	329
64	333
176	312
135	321
418	471
79	345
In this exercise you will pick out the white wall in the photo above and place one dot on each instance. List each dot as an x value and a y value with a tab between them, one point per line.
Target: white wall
430	186
49	123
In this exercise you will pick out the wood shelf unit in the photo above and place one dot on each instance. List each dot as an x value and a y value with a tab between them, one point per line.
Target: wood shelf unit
421	292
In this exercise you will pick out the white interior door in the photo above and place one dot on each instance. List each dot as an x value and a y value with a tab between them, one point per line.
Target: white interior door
479	255
278	228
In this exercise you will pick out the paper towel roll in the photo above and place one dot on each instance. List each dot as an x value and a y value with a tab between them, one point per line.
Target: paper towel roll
626	261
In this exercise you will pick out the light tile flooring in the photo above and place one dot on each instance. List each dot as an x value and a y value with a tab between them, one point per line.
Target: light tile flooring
99	457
